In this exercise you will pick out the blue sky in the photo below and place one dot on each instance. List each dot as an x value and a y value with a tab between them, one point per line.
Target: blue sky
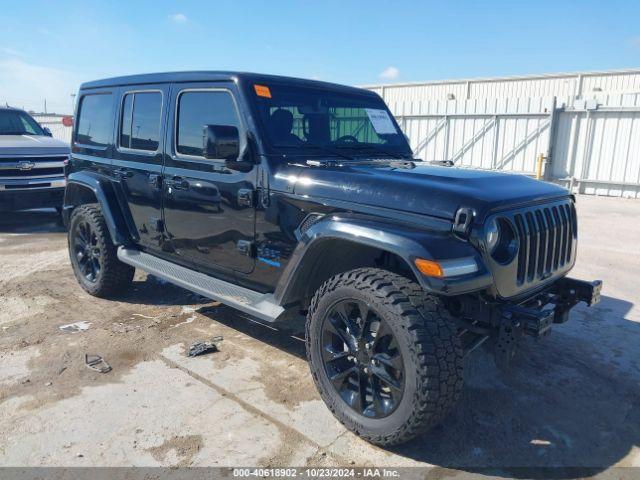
48	48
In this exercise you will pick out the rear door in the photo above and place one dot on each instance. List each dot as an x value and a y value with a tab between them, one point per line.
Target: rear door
208	207
137	161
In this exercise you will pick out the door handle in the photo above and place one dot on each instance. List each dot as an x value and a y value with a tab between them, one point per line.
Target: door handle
155	181
123	173
178	183
245	197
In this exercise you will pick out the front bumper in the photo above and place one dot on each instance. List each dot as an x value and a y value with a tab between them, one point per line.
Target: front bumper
536	315
32	193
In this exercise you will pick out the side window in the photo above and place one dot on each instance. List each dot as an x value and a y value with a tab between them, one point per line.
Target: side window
140	122
95	121
197	109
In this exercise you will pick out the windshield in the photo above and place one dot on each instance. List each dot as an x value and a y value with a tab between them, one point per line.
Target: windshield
301	120
13	122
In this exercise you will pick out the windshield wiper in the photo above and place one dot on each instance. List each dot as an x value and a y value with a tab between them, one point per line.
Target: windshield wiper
372	147
318	146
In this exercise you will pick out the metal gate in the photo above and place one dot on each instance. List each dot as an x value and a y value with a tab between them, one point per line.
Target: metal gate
591	145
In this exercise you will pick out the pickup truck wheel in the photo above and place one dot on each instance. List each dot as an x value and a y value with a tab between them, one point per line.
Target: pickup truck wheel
383	354
93	255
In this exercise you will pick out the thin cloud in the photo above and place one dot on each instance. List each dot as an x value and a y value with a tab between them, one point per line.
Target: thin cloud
178	18
27	85
390	73
12	52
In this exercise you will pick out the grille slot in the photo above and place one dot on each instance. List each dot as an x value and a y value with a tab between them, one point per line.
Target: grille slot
546	236
35	172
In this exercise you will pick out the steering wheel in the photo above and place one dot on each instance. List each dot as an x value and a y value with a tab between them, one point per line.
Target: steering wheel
346	139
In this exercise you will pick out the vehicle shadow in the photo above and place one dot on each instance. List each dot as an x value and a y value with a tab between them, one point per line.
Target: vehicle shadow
154	291
31	221
570	405
288	336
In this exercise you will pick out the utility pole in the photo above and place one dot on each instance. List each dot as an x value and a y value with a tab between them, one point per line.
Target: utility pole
45	105
73	103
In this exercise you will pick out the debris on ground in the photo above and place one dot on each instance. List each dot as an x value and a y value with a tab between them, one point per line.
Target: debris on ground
75	327
97	363
201	348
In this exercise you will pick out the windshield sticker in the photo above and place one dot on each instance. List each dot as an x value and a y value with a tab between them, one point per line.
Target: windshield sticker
381	121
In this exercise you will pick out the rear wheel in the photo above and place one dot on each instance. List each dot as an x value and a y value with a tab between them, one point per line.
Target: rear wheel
383	355
93	256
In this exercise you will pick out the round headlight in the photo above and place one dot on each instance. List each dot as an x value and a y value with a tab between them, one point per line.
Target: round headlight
492	235
506	248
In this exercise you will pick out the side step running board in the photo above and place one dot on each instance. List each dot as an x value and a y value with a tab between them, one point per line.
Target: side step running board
261	305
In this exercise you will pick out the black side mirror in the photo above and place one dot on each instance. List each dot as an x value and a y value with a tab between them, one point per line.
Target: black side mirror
221	142
47	132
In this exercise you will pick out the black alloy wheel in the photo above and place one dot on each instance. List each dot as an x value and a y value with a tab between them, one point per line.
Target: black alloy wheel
362	359
86	248
93	255
384	354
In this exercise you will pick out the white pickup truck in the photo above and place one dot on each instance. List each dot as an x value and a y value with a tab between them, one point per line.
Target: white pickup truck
31	163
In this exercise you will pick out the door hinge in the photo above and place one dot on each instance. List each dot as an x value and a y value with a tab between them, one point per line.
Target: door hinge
245	247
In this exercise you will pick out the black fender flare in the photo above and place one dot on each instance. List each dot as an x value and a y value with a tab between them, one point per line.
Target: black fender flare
87	187
404	240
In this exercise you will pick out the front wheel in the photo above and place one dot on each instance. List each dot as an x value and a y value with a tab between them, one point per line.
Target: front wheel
383	354
93	255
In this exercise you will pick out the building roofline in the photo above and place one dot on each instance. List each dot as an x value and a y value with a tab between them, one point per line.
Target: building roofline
542	76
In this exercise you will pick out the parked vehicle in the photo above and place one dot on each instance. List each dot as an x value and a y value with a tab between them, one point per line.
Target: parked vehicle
31	163
279	196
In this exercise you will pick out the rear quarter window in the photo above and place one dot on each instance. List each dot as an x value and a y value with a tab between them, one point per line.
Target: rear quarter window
95	120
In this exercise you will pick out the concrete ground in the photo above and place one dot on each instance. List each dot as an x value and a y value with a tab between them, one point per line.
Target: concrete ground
572	399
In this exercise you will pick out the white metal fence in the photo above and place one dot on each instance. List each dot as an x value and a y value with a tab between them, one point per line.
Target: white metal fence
587	125
597	145
592	145
492	134
54	123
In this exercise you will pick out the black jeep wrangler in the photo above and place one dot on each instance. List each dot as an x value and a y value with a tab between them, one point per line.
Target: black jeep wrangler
281	196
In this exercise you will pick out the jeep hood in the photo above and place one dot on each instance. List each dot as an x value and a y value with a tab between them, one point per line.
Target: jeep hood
423	189
31	145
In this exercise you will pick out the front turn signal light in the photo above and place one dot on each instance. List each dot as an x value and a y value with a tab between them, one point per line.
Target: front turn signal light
429	267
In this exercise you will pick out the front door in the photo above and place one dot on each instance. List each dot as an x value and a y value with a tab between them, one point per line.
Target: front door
208	211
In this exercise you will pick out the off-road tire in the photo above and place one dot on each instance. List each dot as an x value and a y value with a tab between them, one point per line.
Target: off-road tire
115	277
431	351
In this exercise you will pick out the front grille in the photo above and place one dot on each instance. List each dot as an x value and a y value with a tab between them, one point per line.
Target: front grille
32	167
546	237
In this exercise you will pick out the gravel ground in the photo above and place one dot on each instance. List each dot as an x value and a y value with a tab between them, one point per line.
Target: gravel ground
572	399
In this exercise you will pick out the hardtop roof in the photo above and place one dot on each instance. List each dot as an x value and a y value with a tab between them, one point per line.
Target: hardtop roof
214	76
